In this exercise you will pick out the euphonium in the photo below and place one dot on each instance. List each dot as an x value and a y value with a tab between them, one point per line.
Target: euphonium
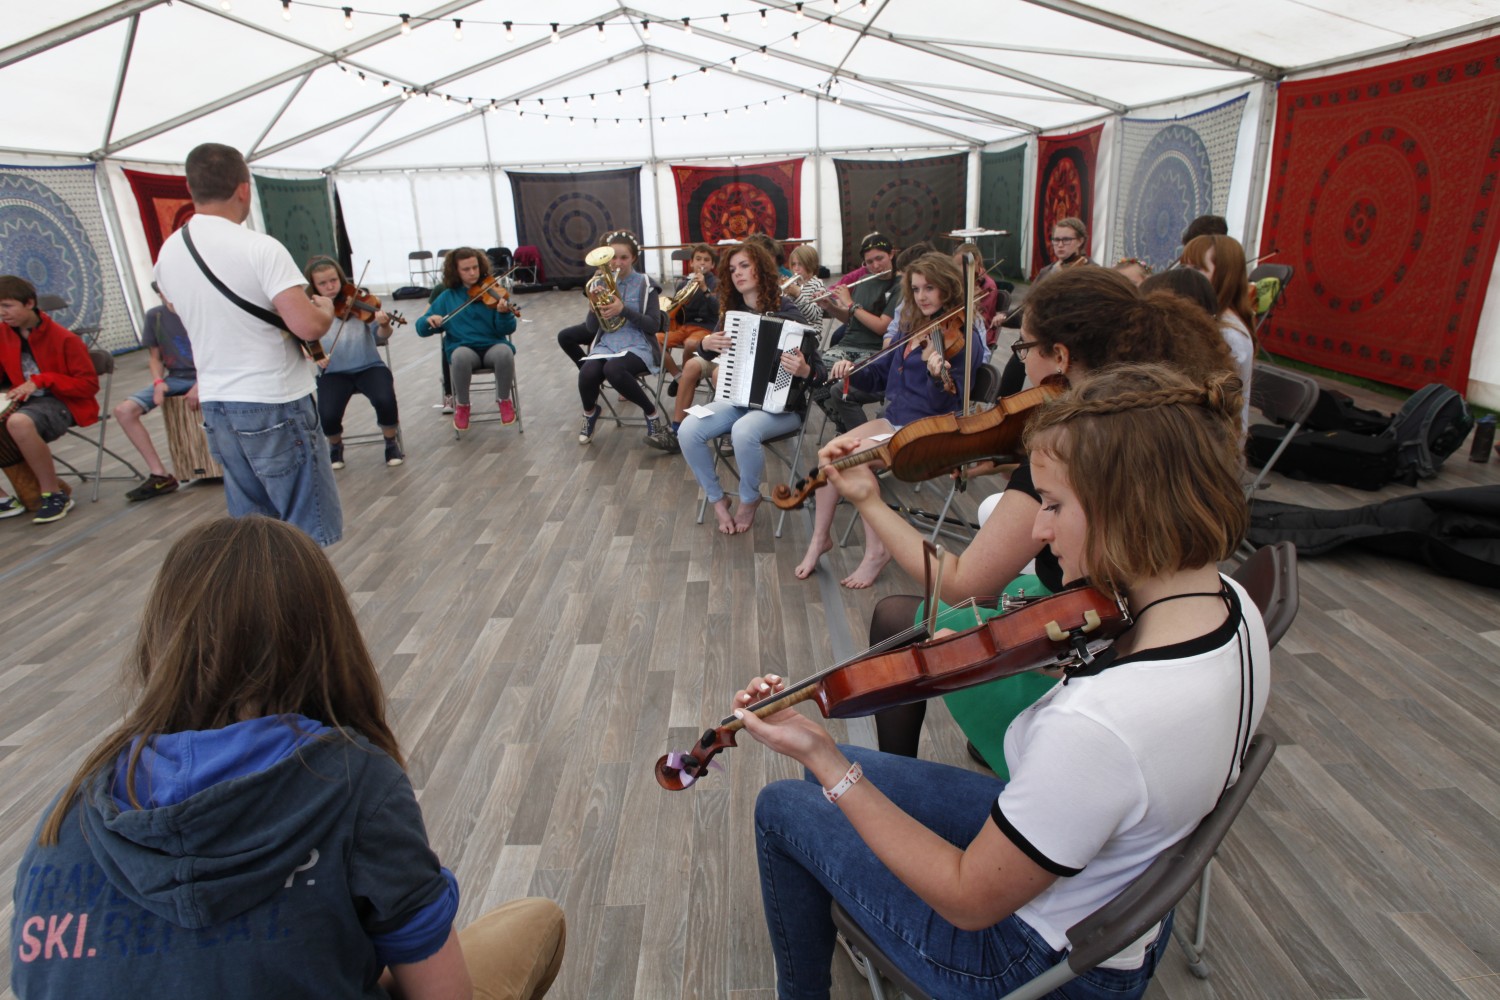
601	288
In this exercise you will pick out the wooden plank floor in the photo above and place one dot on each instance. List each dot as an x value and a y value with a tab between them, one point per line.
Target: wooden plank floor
549	619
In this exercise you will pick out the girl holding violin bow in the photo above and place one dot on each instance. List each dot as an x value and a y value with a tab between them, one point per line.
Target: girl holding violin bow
475	317
922	375
352	362
1075	323
967	882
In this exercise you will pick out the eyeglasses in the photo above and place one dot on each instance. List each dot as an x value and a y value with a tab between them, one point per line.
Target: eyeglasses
1064	239
1020	347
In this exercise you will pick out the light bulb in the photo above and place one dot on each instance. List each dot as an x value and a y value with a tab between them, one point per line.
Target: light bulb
348	18
727	29
458	29
646	30
687	26
405	24
734	64
286	10
797	39
226	5
764	55
601	32
510	32
554	39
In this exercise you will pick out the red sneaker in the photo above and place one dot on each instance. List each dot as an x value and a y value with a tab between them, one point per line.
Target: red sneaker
507	412
461	416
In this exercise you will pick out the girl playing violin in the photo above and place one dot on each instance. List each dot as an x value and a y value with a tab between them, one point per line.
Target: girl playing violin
1076	322
352	363
918	381
474	335
969	883
749	282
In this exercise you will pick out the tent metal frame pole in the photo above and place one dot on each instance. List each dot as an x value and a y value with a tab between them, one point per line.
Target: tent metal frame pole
818	159
478	110
661	259
1042	50
835	71
416	211
124	267
1151	33
958	89
365	134
251	152
1265	133
64	33
208	8
126	51
489	159
1082	96
1437	37
272	82
960	137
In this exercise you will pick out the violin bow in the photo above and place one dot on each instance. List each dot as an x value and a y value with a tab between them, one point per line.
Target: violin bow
489	283
340	331
933	565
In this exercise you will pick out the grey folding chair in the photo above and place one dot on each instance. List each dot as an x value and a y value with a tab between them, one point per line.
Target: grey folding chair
104	367
419	269
724	455
484	379
1284	397
1106	932
1269	576
377	436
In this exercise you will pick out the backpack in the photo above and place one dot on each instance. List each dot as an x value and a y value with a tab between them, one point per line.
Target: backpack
1427	429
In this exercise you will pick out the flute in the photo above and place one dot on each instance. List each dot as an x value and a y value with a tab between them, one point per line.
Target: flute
869	277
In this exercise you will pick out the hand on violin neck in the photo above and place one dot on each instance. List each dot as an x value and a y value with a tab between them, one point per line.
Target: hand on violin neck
788	732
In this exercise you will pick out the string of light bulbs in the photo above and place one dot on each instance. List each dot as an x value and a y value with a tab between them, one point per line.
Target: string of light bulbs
800	10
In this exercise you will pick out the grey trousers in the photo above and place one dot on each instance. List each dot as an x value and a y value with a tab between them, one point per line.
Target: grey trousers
465	360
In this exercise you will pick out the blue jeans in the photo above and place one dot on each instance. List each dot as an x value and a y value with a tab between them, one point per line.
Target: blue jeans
809	855
176	386
275	462
748	428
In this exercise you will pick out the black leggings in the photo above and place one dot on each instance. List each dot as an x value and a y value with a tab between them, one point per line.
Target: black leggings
336	388
897	730
621	373
575	341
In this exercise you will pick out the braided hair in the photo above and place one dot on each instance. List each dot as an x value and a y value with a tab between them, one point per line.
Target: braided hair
1153	456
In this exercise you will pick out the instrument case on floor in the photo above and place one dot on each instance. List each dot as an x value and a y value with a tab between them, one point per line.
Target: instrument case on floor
1358	460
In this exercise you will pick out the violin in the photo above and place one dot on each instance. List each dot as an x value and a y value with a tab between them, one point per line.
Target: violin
1066	631
352	300
492	294
927	448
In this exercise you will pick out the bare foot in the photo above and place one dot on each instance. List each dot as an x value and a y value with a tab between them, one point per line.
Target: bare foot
809	564
721	513
745	516
866	573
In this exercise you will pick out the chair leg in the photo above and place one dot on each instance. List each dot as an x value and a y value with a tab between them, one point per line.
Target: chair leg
515	400
1194	949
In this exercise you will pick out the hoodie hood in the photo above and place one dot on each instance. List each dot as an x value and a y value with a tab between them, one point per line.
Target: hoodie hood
228	815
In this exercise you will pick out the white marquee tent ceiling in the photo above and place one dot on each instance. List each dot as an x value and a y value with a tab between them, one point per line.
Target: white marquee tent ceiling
146	80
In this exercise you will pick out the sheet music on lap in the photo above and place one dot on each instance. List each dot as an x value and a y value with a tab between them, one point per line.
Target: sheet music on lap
750	371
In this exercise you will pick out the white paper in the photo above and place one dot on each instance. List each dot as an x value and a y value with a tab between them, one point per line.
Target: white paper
879	438
617	354
700	411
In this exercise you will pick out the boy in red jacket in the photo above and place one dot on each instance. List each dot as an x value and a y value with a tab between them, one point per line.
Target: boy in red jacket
48	381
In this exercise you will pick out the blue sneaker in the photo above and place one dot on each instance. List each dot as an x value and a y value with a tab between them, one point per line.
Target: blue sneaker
586	432
55	507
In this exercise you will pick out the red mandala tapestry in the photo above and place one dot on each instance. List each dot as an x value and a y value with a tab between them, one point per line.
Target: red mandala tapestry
164	203
1064	187
730	203
1382	183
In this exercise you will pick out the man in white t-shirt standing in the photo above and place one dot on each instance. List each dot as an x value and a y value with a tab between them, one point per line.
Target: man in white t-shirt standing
254	383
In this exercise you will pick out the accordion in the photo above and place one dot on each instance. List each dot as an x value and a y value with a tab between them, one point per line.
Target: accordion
750	372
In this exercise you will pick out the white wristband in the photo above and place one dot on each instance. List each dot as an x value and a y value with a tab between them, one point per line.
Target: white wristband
849	780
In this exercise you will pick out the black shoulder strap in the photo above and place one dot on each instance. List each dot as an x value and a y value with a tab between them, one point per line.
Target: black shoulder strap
264	315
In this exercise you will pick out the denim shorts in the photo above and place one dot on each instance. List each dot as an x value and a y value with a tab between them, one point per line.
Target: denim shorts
176	386
275	461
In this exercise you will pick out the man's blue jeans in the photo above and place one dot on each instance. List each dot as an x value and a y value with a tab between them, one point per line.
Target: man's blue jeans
275	461
809	855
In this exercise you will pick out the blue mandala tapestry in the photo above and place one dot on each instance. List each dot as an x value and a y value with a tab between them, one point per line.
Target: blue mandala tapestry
52	234
1172	171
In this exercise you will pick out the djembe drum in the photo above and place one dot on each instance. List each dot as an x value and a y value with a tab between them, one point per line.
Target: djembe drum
187	442
23	482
